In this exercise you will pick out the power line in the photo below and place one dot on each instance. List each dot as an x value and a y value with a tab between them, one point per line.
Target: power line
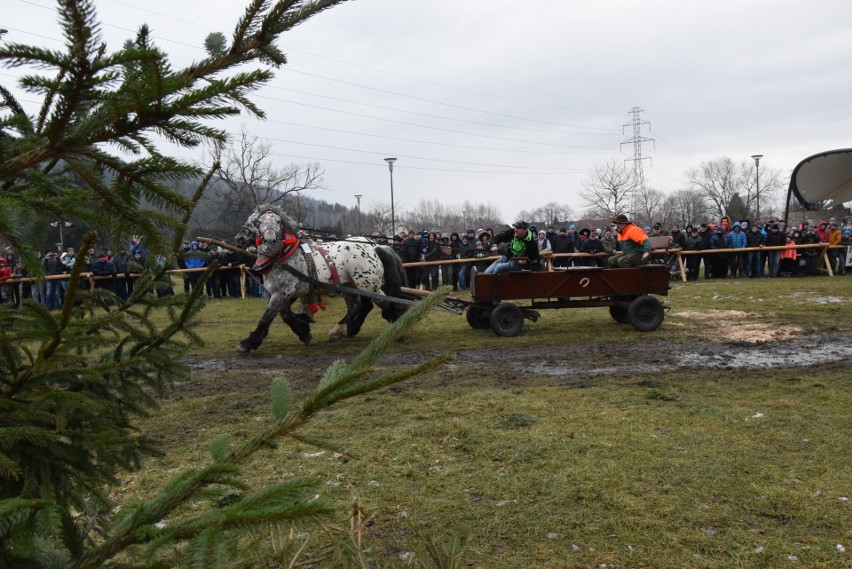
384	107
397	94
373	163
429	126
467	72
441	143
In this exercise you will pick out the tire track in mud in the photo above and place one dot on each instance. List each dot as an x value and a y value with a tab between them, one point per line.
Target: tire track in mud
569	365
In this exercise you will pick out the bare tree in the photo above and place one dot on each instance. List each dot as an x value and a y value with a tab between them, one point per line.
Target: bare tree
247	177
550	213
377	219
689	206
721	179
483	215
432	214
607	191
651	207
718	180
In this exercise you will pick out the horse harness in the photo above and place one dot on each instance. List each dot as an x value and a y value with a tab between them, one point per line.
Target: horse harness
288	248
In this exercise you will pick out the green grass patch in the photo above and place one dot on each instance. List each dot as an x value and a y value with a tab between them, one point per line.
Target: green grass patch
691	469
800	305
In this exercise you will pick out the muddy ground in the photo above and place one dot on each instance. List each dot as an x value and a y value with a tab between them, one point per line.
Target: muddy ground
524	366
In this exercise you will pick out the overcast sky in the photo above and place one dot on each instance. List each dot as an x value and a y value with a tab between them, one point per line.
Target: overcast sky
513	103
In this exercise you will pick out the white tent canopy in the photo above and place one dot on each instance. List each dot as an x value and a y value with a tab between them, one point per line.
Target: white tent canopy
823	176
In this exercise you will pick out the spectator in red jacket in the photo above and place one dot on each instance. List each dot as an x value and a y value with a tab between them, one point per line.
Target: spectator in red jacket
5	275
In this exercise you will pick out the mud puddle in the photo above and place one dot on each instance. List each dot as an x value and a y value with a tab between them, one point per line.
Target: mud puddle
567	365
807	351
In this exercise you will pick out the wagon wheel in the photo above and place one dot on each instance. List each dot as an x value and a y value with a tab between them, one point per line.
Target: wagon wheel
507	320
619	314
478	317
646	313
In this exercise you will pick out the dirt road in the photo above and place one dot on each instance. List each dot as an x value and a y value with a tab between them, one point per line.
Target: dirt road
570	365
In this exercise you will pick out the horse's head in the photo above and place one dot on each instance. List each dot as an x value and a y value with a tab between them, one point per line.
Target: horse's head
271	230
270	233
248	234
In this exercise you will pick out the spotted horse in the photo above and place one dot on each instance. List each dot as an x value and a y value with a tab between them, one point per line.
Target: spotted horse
363	272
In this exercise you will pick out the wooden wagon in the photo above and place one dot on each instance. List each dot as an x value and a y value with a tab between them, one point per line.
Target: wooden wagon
503	301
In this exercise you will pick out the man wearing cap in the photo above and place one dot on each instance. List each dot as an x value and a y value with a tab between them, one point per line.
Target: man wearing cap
521	249
634	244
833	237
693	242
719	261
775	238
411	254
562	244
551	235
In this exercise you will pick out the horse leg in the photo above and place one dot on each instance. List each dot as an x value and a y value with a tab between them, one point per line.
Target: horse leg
255	339
353	305
359	317
391	311
300	324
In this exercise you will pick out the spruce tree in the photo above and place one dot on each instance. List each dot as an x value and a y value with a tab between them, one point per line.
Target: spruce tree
72	382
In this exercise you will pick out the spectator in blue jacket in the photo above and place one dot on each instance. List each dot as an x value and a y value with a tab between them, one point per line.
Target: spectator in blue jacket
194	259
737	260
104	267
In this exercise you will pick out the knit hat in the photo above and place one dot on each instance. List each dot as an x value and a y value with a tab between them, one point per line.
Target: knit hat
572	226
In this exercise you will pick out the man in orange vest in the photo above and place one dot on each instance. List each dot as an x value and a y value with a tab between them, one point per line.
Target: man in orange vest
633	242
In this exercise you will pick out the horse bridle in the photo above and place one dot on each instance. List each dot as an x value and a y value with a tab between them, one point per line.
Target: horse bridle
288	246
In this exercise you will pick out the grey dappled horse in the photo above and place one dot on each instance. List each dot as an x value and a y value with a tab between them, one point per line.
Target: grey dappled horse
354	263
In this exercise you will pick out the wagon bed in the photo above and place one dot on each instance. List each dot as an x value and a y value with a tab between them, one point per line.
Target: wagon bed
625	291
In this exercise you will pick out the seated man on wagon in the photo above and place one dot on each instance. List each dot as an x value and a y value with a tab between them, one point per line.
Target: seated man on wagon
634	244
521	249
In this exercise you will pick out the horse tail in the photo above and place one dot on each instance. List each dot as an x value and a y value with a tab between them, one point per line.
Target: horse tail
394	279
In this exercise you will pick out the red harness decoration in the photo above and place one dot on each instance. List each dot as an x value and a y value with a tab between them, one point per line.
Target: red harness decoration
332	269
315	307
289	245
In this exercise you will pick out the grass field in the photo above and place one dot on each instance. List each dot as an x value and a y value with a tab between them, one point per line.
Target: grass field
697	468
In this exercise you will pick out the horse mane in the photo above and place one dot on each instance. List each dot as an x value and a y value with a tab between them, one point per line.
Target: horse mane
286	221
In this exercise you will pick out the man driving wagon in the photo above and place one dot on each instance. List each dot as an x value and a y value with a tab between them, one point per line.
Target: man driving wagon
518	247
634	244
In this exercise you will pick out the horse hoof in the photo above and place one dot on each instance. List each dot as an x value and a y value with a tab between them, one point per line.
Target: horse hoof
337	332
243	349
306	340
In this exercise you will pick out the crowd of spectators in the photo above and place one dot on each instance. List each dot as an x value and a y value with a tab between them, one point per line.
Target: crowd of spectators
118	273
432	246
763	263
118	270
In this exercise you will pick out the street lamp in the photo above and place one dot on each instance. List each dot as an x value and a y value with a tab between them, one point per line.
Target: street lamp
358	197
390	162
757	158
61	224
464	218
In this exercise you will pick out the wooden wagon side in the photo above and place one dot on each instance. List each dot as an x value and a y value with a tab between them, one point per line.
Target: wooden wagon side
625	291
